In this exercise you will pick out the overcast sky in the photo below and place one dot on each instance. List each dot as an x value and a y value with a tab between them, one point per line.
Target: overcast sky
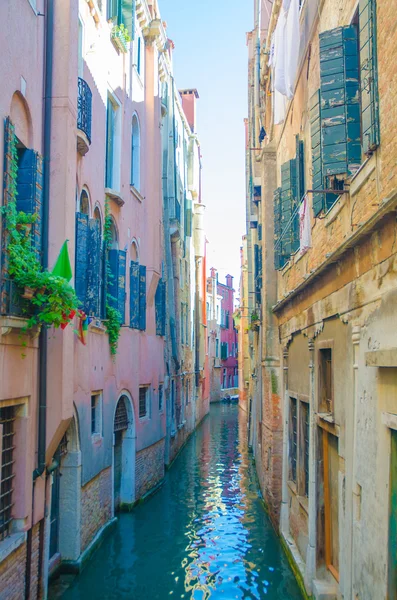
211	55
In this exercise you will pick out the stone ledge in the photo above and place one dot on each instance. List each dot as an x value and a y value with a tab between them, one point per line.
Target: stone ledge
10	544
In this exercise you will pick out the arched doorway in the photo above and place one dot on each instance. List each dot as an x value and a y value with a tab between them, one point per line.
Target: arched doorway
123	453
65	522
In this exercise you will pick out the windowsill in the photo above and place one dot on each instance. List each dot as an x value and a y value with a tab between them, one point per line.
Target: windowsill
96	439
115	196
328	417
362	175
137	195
335	209
292	486
10	544
304	502
139	76
144	419
10	324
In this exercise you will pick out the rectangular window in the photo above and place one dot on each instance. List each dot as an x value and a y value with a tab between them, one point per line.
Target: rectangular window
293	438
138	61
326	404
161	397
187	391
96	414
217	347
7	419
143	401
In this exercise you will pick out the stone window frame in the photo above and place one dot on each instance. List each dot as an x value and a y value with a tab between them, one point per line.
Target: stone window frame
97	435
320	346
146	416
161	397
298	487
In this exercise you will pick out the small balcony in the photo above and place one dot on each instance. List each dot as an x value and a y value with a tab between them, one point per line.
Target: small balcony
84	116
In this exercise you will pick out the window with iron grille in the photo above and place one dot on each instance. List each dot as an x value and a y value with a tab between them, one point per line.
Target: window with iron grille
293	437
326	403
121	416
161	397
143	401
96	414
7	419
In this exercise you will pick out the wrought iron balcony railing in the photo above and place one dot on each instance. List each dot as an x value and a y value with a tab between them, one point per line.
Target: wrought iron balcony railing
84	108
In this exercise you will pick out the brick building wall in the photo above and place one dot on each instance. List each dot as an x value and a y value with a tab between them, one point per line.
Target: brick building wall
96	506
12	575
35	562
149	469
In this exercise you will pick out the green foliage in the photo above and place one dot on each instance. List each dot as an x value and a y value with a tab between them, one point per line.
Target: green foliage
52	297
113	316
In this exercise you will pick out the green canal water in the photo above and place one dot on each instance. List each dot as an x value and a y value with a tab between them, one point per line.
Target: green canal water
203	535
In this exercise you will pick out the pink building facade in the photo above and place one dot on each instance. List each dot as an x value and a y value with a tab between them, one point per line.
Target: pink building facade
91	427
229	342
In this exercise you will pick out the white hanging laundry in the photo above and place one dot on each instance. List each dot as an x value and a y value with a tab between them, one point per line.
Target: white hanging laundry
305	230
279	54
279	107
292	43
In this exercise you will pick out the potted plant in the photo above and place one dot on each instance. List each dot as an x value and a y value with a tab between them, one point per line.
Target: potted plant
120	37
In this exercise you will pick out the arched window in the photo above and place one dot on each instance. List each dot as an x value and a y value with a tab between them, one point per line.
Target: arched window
84	203
135	154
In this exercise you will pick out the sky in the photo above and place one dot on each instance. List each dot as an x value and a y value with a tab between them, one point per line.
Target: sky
211	55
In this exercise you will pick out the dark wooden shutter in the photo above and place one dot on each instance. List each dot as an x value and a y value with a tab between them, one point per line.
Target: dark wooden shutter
160	308
113	278
134	295
142	297
340	101
369	76
30	192
92	303
80	275
121	284
7	178
188	218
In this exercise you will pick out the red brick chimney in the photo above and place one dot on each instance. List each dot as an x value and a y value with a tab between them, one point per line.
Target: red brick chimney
189	98
229	281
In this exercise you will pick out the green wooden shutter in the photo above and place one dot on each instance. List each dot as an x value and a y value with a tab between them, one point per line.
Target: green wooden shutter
128	16
110	126
340	102
369	76
80	275
320	201
142	297
92	300
317	160
188	218
134	295
5	291
121	284
289	212
300	169
277	227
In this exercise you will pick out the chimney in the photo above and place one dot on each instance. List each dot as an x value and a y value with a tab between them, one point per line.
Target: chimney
189	98
213	273
229	281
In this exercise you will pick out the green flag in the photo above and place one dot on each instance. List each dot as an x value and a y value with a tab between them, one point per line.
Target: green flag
62	266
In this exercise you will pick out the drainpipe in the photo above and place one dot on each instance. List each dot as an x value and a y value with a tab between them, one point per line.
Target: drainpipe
47	117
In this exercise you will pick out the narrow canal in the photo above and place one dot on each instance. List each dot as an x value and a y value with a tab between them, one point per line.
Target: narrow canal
203	535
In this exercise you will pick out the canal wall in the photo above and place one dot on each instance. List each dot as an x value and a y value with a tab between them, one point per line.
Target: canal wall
149	469
96	506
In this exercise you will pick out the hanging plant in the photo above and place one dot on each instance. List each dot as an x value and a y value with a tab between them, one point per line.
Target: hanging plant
49	297
113	323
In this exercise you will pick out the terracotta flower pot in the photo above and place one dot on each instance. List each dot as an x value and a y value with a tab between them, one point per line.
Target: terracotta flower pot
28	292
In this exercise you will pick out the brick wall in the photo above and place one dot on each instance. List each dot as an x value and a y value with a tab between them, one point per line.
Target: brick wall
149	469
12	575
96	506
35	561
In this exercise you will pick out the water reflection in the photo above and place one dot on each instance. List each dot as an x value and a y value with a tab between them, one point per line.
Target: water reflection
203	535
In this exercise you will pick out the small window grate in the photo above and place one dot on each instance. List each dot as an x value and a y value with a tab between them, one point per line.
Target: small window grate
7	418
142	402
121	416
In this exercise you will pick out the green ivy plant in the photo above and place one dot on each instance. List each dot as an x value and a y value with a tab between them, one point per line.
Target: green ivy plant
113	317
52	296
122	30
